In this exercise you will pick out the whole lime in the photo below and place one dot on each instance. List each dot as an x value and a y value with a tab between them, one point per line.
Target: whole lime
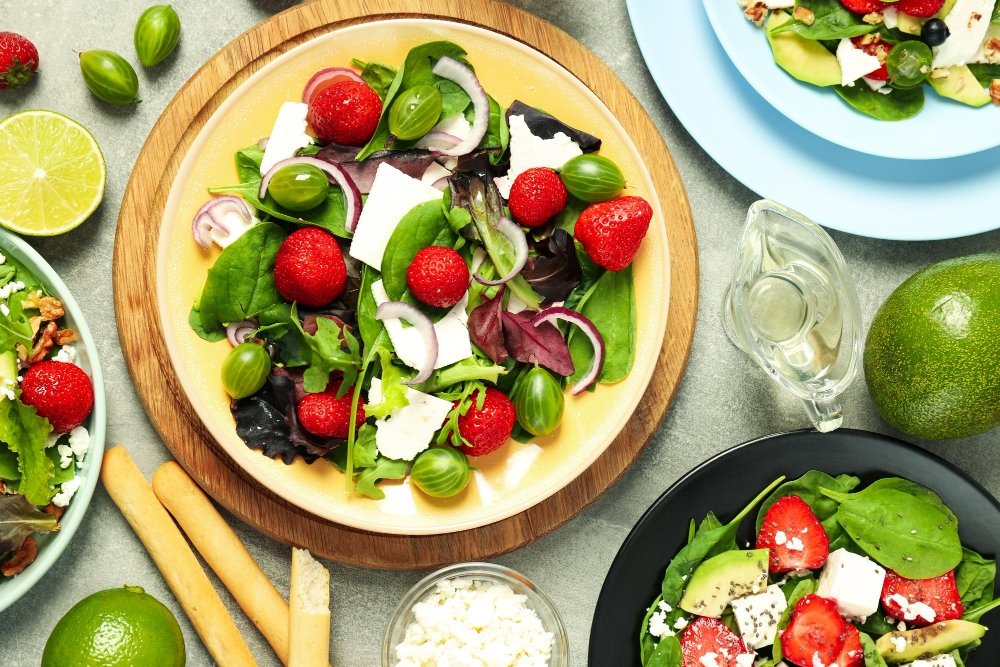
120	627
932	357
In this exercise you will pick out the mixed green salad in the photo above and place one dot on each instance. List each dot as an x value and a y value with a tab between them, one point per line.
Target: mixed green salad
881	57
45	398
411	273
841	575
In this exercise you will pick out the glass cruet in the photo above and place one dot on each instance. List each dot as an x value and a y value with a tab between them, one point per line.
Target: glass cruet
794	309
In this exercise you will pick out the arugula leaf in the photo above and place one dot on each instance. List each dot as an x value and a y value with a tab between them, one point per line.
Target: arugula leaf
333	348
975	577
897	105
25	433
984	72
832	21
368	326
382	469
610	305
7	272
365	450
19	519
469	393
376	75
878	624
425	225
392	387
472	368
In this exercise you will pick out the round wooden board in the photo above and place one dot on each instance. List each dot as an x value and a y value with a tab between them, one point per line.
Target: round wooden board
158	386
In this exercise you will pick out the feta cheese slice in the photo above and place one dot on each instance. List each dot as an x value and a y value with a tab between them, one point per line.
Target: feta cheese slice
393	194
779	4
968	21
434	173
757	616
452	333
854	63
528	151
942	660
409	429
854	581
287	136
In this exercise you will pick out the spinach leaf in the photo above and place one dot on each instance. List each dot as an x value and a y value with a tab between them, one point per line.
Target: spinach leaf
975	577
454	100
213	335
901	528
382	469
878	624
425	225
497	133
808	488
369	327
248	164
376	75
25	432
647	643
240	284
976	613
872	657
984	72
19	519
610	305
333	348
832	21
666	654
897	105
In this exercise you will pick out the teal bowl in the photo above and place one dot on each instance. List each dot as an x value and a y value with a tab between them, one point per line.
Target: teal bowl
50	547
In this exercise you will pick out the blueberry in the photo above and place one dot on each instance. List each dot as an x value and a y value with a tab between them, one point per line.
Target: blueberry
934	33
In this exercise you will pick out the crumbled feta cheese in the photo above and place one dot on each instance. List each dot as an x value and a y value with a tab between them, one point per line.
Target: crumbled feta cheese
66	354
901	626
468	623
680	623
854	581
943	660
65	456
854	63
795	544
66	492
745	659
968	21
12	287
780	538
818	662
913	610
287	136
79	442
528	151
3	259
779	4
757	616
658	626
409	429
898	643
7	390
709	660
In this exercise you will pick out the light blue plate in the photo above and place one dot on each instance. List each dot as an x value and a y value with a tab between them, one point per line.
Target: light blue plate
50	547
943	129
837	187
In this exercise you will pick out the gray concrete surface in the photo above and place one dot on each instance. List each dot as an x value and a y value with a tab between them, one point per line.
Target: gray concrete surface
721	402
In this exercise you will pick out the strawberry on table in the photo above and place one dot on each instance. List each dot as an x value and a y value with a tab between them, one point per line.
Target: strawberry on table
794	535
61	392
816	632
921	602
611	231
346	113
18	60
536	196
310	268
920	8
864	6
327	416
707	639
487	428
874	45
438	276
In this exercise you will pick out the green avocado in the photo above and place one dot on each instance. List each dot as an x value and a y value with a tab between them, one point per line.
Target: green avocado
962	86
927	642
946	8
932	362
8	368
805	59
911	25
723	578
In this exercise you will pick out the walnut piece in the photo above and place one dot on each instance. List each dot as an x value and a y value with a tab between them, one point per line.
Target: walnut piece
874	18
54	510
804	15
65	337
49	308
45	340
992	50
23	557
995	91
756	13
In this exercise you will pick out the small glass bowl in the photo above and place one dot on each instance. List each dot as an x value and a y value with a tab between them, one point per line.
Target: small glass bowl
520	584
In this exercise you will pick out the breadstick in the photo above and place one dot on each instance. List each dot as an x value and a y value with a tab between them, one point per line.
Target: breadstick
309	634
174	558
225	554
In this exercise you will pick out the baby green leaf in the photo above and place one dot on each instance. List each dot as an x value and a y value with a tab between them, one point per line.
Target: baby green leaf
25	433
19	519
425	225
975	576
666	654
610	305
333	348
383	469
393	389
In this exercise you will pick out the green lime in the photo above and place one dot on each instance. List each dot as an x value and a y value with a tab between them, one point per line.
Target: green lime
51	173
120	627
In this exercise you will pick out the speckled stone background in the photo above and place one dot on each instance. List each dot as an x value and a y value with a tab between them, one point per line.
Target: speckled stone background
722	401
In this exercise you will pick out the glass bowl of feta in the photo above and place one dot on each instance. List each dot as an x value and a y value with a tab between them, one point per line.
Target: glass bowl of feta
478	610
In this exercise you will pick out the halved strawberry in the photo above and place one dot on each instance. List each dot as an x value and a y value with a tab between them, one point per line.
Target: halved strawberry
874	45
921	8
794	535
816	633
853	653
864	6
705	636
921	602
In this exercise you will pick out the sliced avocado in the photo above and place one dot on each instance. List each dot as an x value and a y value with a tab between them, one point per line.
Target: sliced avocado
930	641
805	59
8	369
723	578
962	86
946	8
911	25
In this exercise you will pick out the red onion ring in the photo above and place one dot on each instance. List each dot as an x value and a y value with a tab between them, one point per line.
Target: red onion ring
438	140
393	310
237	332
212	215
520	243
465	78
334	173
325	78
588	328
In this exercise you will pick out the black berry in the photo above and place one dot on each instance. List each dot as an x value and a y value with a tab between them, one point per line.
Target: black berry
934	33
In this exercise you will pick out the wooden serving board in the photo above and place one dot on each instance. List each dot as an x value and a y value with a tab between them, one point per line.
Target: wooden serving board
146	354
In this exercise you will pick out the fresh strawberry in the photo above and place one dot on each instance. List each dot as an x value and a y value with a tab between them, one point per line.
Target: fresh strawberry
864	6
18	60
611	231
853	653
310	268
438	276
536	196
60	392
816	633
874	45
707	638
327	416
794	535
346	113
486	429
920	8
921	602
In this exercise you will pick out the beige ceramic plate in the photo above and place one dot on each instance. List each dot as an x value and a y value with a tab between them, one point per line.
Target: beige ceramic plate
517	476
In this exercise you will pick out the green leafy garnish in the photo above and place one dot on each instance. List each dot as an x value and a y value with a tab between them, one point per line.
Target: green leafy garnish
832	21
425	225
392	388
898	105
19	519
25	433
610	305
333	348
376	75
383	468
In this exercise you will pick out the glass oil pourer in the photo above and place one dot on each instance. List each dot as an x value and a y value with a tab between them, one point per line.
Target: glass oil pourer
792	307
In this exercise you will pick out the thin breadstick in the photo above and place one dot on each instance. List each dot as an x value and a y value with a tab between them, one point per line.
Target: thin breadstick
225	554
174	558
309	633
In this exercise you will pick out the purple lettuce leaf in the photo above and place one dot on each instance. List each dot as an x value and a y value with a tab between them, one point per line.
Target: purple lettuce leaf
554	270
542	345
412	162
486	328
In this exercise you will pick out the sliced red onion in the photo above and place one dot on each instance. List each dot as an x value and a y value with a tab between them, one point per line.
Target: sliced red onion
325	78
336	175
262	143
520	243
588	328
465	78
393	310
438	140
237	332
213	214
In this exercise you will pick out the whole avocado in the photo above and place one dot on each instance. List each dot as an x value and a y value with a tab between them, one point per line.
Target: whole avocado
932	357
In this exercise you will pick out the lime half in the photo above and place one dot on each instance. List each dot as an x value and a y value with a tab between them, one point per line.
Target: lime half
51	173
